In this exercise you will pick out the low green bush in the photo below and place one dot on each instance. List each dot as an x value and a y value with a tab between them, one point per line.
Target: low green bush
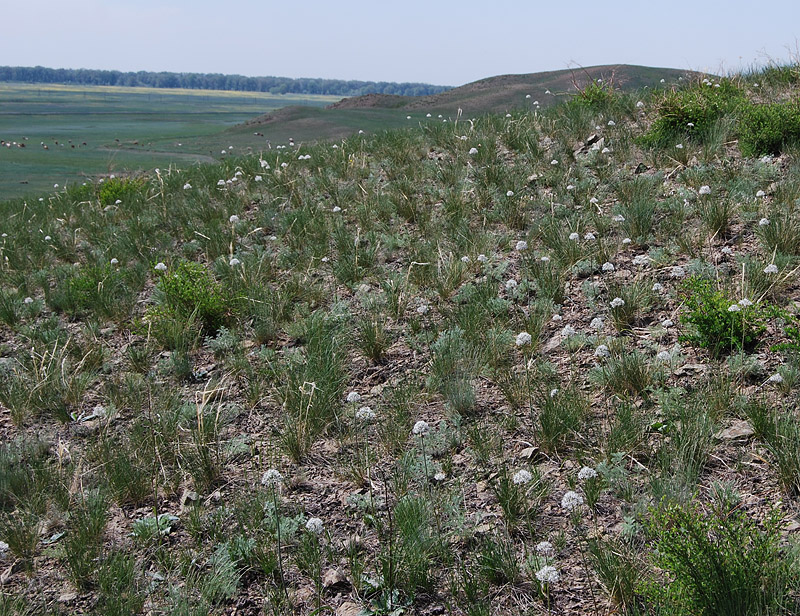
768	129
188	289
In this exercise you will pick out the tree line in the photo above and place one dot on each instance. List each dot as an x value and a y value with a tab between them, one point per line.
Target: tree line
213	81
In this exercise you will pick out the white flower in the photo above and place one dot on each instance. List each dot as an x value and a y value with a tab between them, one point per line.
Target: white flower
597	323
761	193
574	236
523	338
160	267
545	259
667	323
568	331
264	164
422	309
612	123
220	182
571	500
483	258
233	219
465	259
587	473
234	262
705	190
557	317
421	428
187	186
27	300
639	104
315	526
324	259
663	356
594	201
114	261
547	575
679	146
727	250
554	162
258	178
771	269
473	151
55	185
763	222
521	245
775	378
440	476
744	302
602	351
271	478
521	477
617	302
3	547
608	267
734	308
570	187
284	165
510	193
365	414
627	240
511	284
589	236
677	272
354	396
641	260
657	287
553	392
545	548
618	218
47	238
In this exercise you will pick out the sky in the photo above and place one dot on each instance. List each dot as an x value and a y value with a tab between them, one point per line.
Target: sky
438	42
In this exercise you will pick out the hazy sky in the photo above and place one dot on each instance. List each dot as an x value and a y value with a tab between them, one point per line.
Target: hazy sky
439	42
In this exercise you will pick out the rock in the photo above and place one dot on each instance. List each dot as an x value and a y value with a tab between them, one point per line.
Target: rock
592	139
599	144
529	453
67	597
738	429
640	168
348	608
334	577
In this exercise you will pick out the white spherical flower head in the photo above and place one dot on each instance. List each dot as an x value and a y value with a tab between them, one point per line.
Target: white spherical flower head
608	267
440	476
511	284
602	351
627	240
271	478
482	258
234	262
315	526
523	339
557	317
554	392
423	309
465	259
568	331
776	378
663	356
510	193
220	182
545	259
421	428
677	272
612	123
473	151
521	477
617	302
258	178
771	269
705	190
619	218
365	414
570	187
547	575
658	287
679	146
666	323
47	238
587	473
574	236
761	194
734	308
589	236
114	261
521	245
544	548
353	397
27	300
187	186
639	104
744	302
554	162
763	222
571	500
597	323
264	164
160	267
233	219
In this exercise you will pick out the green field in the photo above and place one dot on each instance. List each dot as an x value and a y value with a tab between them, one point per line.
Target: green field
123	129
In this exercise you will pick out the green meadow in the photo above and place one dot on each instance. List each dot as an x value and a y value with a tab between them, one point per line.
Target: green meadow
94	130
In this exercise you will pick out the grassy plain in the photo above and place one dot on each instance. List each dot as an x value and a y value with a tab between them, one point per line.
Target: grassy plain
123	129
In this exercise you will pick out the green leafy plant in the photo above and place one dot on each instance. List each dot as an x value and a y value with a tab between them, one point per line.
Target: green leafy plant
188	290
769	128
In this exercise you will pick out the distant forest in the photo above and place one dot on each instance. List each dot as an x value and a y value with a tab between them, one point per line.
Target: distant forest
213	81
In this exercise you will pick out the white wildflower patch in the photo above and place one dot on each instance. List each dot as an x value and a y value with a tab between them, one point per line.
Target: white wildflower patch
271	478
587	473
523	339
521	477
421	428
571	500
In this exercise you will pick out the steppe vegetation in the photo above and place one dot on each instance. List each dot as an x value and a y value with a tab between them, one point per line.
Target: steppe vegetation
537	363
